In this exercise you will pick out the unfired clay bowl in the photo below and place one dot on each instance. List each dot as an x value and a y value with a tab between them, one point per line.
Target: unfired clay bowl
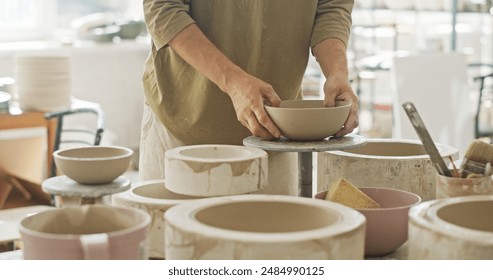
459	228
263	227
386	227
93	164
387	163
308	120
155	199
215	170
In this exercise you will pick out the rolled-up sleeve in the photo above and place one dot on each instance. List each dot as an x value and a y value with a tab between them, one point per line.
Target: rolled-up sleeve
333	20
165	19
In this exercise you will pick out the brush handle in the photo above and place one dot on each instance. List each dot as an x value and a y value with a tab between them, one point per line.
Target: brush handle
425	137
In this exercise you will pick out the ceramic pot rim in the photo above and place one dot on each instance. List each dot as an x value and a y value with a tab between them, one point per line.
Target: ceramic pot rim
418	200
132	197
425	215
254	153
445	150
113	234
342	104
127	154
183	217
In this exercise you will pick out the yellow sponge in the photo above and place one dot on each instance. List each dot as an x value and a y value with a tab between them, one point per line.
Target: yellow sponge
342	191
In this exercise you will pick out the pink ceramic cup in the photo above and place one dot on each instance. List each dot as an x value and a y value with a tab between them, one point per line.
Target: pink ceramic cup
87	232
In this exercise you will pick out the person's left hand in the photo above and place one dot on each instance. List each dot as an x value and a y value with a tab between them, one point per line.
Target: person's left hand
339	89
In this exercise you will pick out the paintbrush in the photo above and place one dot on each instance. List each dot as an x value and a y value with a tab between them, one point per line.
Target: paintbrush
476	159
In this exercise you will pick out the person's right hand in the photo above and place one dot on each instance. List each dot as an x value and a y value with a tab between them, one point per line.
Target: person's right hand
249	94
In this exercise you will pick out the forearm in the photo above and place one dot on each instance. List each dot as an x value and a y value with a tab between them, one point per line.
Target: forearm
247	93
331	55
196	49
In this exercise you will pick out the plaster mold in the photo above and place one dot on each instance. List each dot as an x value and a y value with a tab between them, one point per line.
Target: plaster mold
387	163
457	228
155	199
215	170
263	227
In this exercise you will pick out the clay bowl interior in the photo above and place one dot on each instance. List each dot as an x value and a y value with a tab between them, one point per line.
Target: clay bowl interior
473	215
308	120
277	217
386	227
93	164
390	149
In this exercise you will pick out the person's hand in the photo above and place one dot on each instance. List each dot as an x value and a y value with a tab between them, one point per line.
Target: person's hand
339	89
249	95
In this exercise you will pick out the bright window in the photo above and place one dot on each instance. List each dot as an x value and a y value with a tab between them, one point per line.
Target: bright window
39	19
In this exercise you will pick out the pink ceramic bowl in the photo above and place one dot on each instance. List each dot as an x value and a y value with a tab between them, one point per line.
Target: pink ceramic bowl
386	227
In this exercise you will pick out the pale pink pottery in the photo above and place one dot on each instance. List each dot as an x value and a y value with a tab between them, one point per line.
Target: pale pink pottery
386	227
87	232
308	120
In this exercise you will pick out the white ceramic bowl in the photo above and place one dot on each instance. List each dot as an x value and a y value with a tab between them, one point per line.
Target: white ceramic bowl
263	227
215	170
155	199
93	165
386	227
308	120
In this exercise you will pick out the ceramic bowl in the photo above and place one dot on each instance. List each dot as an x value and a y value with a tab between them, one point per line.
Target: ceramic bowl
261	227
154	198
458	228
386	227
215	170
93	164
308	120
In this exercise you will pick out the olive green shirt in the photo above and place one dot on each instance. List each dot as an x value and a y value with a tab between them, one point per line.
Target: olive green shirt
269	39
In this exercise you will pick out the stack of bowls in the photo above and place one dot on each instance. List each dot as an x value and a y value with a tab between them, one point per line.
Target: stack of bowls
43	82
